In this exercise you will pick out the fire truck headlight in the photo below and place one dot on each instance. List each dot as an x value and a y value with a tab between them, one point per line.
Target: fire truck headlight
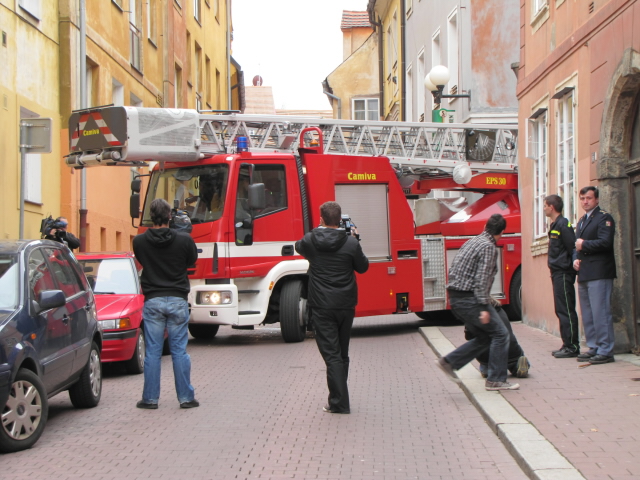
214	298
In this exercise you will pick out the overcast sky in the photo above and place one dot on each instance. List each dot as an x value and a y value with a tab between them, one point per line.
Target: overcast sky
293	44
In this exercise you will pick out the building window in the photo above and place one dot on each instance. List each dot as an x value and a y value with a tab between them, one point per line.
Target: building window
566	155
117	93
135	22
207	86
365	109
151	21
421	89
197	7
538	5
452	52
538	152
31	6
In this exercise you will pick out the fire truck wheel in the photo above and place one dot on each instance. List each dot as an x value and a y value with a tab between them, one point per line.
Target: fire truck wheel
293	312
203	331
514	309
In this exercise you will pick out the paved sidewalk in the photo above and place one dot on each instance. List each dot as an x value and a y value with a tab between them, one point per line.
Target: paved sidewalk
566	422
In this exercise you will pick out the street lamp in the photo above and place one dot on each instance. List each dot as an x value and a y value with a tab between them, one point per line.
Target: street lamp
435	82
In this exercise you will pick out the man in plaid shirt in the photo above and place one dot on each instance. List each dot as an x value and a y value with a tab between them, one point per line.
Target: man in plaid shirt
470	279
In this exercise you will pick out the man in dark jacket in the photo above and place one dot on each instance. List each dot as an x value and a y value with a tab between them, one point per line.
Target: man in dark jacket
332	295
165	254
61	235
562	241
595	263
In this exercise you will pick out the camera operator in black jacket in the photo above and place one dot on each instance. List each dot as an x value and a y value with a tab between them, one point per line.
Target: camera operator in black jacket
332	296
59	233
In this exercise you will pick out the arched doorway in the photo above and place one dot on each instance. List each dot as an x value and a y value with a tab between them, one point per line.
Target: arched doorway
618	173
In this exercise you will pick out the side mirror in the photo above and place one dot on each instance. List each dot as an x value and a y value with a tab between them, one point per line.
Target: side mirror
51	299
136	185
134	206
257	196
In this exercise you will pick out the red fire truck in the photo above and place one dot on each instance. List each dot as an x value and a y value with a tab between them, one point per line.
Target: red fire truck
252	186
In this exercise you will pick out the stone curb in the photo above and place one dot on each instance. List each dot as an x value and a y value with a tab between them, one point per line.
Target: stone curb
537	457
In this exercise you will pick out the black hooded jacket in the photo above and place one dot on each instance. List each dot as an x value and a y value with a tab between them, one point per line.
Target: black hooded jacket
165	254
333	257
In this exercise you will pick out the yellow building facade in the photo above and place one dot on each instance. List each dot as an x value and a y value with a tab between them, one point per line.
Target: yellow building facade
28	88
152	53
389	20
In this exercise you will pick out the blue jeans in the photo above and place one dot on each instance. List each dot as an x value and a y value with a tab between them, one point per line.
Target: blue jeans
493	335
595	304
172	314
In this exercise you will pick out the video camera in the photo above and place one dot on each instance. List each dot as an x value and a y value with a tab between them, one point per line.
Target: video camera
180	219
349	226
49	224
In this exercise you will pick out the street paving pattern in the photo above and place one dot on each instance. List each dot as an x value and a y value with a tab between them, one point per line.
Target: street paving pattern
260	417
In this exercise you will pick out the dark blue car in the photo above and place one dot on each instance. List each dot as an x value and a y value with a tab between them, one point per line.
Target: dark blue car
49	337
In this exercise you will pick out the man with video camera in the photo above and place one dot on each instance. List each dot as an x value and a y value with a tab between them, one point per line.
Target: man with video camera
57	230
334	256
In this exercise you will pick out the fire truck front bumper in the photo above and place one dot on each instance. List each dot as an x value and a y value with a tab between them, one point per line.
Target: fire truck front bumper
214	304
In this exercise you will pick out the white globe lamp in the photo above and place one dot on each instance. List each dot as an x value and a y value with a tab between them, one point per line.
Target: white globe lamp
429	84
439	75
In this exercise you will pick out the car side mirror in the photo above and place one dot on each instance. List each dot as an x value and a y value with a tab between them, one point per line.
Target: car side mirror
134	206
51	299
257	196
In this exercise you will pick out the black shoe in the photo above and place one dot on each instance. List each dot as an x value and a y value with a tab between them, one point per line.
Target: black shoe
567	353
147	406
599	359
553	352
585	357
192	404
328	409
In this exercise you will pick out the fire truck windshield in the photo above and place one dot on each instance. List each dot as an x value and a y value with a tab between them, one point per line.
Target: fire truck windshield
200	191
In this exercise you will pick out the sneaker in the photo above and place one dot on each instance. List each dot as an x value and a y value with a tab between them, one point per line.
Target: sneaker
448	369
491	386
567	353
192	404
553	352
523	367
600	359
146	405
585	357
328	409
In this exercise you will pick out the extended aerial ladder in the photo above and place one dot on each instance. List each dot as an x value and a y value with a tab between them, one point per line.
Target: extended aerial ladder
132	136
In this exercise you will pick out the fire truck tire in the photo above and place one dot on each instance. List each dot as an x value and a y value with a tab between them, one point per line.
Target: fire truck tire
514	309
203	331
293	312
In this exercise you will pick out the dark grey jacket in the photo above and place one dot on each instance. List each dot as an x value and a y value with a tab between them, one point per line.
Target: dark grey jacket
333	258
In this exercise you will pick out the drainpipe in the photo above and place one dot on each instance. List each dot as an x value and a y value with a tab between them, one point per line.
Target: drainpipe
339	102
83	104
371	12
228	11
403	89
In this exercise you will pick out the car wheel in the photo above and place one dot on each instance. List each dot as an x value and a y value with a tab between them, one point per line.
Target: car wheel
25	413
87	390
293	312
135	365
203	331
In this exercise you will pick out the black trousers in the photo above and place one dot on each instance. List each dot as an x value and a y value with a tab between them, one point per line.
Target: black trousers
333	332
564	297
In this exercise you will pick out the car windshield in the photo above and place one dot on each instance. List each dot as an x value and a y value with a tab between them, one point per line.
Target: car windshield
9	286
200	191
111	276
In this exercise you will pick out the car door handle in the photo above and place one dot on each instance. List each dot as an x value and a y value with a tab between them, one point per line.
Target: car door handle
65	319
287	250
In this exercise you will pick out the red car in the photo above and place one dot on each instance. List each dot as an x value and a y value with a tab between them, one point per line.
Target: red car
114	278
